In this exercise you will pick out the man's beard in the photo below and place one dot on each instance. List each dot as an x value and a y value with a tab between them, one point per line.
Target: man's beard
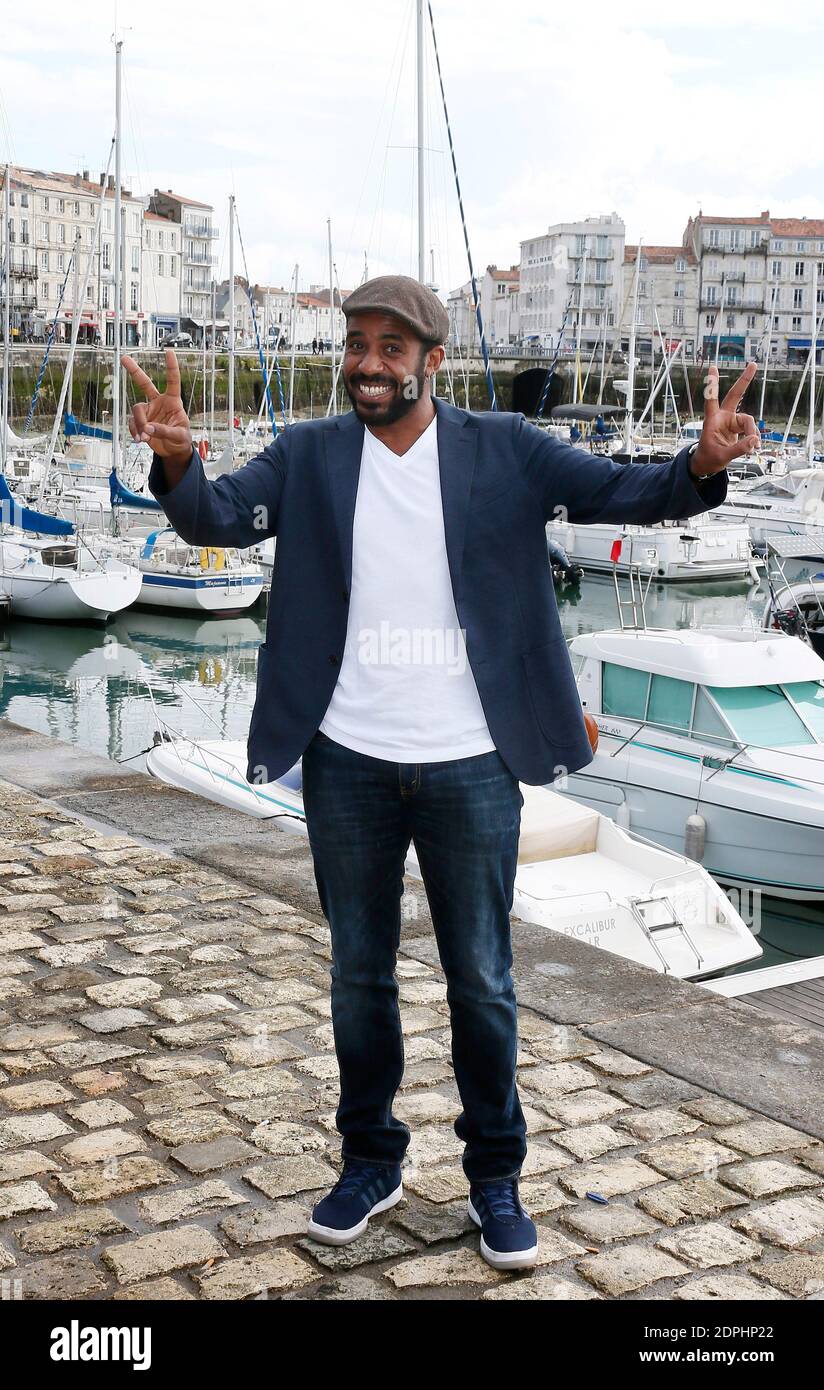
404	398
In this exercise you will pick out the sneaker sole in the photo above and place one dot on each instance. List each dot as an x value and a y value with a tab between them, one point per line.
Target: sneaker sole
330	1235
504	1259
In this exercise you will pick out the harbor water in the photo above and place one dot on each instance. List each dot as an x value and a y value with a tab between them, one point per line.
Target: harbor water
105	688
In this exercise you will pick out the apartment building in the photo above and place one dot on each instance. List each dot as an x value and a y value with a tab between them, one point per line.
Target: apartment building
161	273
48	212
667	298
572	271
194	225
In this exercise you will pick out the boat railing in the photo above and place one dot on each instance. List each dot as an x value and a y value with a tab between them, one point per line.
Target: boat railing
716	762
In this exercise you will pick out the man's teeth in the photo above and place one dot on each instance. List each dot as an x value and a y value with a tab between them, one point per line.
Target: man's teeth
370	390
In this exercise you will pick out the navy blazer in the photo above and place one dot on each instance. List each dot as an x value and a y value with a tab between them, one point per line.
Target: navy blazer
502	479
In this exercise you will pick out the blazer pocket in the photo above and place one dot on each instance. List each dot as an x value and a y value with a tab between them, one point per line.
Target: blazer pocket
552	690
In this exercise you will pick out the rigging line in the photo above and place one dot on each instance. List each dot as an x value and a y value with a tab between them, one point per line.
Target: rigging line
261	359
49	342
478	315
377	216
551	368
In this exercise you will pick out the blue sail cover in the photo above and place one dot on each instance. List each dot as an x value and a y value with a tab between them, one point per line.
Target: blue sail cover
14	513
122	496
74	426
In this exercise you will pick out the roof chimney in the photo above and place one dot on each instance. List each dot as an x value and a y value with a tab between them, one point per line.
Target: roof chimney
86	175
111	181
102	180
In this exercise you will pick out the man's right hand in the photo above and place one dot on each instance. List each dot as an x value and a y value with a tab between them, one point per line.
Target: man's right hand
161	421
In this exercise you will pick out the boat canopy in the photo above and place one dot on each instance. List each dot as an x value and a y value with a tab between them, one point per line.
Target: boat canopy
585	412
74	426
29	520
122	496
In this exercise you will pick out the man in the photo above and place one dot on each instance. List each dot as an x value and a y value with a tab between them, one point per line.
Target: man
414	657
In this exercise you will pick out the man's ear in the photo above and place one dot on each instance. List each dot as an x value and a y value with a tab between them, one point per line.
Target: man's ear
434	360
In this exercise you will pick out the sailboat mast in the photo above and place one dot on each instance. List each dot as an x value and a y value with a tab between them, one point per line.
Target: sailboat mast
813	347
767	352
293	328
631	374
231	320
4	418
75	315
583	276
419	65
332	315
212	381
118	268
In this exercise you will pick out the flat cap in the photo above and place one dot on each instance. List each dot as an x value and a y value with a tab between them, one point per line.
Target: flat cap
407	299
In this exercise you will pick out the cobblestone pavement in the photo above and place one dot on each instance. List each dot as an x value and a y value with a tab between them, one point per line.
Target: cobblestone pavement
167	1092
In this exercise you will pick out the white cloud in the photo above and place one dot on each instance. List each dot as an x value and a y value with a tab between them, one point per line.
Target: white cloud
307	111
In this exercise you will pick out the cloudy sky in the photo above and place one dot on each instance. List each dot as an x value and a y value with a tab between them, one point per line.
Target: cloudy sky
306	111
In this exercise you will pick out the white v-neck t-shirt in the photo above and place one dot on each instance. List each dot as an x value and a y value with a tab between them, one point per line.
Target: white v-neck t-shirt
405	691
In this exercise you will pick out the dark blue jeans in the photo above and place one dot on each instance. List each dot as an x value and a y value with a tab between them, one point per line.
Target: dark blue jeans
464	819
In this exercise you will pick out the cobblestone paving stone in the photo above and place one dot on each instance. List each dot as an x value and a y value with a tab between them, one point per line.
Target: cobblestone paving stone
167	1096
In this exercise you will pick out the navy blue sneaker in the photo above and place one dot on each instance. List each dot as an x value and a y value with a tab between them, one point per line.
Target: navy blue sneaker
509	1239
362	1190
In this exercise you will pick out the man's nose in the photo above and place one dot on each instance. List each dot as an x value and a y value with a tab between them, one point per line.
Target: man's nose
371	364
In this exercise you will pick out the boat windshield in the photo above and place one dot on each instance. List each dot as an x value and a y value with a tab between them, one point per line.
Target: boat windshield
771	715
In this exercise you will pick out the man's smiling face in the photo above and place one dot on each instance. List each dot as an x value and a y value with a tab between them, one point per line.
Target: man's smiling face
384	367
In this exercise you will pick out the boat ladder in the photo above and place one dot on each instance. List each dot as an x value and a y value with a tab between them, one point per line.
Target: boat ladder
639	585
655	915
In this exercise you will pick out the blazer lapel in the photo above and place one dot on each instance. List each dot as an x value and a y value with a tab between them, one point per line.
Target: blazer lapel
457	445
344	446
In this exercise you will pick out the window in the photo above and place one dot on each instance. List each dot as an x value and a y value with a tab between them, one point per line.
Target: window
799	270
135	259
776	270
642	288
160	269
798	299
680	265
808	698
796	324
107	255
44	260
44	231
105	294
730	323
173	265
61	205
708	321
679	290
45	204
77	209
46	292
24	231
801	246
778	246
61	261
159	237
135	222
706	721
24	200
61	233
712	294
11	229
624	691
174	241
670	702
678	317
133	296
751	321
762	714
713	237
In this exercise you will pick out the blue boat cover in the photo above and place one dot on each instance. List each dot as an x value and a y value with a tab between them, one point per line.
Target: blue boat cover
123	496
28	520
74	426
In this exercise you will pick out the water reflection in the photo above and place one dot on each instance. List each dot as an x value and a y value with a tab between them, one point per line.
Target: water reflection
96	687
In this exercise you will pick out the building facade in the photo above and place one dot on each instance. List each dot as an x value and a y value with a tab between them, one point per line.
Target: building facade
48	213
162	255
194	226
573	270
667	312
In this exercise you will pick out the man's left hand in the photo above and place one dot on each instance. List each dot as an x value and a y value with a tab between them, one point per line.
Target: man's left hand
726	435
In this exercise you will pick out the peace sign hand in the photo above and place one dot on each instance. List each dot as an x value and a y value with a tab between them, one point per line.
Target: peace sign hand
162	421
726	435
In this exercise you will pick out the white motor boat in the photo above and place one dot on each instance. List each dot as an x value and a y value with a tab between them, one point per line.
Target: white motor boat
191	578
578	874
698	549
62	579
787	504
711	742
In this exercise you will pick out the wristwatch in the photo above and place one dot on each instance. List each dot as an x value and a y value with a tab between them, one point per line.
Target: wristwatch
697	478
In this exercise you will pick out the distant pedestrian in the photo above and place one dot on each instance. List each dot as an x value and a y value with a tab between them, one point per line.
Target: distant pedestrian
314	347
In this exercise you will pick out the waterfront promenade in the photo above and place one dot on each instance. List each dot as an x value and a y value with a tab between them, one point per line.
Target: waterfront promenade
168	1082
